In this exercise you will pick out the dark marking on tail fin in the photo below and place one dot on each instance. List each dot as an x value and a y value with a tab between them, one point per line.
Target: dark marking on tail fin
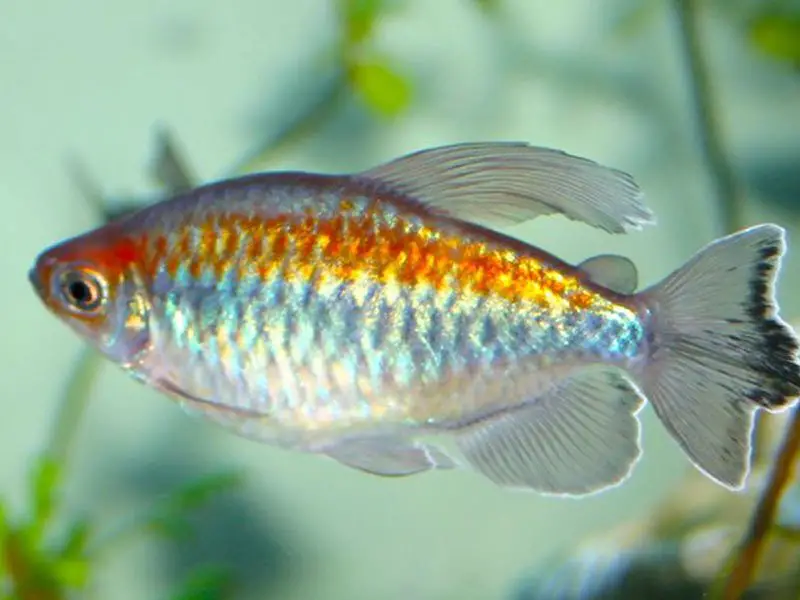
777	362
720	351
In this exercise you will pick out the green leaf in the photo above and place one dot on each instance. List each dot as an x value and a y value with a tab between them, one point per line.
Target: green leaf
489	6
45	480
169	526
634	17
385	92
76	541
167	518
71	573
4	524
4	529
170	518
359	18
27	566
777	35
200	491
209	583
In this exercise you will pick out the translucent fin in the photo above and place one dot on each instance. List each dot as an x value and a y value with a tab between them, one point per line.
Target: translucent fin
617	273
720	351
504	183
580	437
389	457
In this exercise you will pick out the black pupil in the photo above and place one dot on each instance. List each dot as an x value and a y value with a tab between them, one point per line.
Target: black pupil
80	292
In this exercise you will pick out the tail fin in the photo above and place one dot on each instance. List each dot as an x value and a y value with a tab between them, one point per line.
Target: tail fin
719	350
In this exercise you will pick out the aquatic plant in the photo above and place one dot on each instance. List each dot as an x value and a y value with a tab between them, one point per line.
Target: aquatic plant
47	555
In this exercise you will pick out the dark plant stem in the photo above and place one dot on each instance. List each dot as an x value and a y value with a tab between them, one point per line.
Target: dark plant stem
749	552
730	198
730	205
311	120
727	191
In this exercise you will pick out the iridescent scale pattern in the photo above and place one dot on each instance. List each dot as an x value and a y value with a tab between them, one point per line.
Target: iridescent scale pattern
339	310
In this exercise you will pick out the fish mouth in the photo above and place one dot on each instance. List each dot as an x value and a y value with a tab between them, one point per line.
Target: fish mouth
36	281
40	275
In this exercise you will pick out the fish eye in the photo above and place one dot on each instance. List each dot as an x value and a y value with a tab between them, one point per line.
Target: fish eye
82	290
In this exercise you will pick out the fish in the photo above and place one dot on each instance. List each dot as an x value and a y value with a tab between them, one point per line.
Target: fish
382	319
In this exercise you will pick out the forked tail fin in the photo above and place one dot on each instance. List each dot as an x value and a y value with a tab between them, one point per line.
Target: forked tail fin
720	350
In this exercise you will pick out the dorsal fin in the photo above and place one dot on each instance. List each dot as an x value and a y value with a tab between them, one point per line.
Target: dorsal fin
505	183
617	273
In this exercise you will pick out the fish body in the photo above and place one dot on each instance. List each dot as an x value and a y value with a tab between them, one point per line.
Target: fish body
357	315
352	311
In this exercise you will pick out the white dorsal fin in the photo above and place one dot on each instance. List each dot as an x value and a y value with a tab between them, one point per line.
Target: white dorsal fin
505	183
617	273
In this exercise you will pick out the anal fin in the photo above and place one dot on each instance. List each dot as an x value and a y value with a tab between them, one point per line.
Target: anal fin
579	437
389	457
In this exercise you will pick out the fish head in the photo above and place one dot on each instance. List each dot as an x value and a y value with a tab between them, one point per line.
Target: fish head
93	283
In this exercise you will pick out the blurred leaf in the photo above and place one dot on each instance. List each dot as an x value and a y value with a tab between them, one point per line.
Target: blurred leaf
25	569
489	6
71	573
384	90
777	35
46	478
210	583
786	533
44	481
170	526
76	541
3	541
634	17
168	518
200	491
3	521
359	18
169	167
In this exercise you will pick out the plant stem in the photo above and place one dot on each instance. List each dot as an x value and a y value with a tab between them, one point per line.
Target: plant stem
313	119
729	195
73	403
727	191
730	204
749	552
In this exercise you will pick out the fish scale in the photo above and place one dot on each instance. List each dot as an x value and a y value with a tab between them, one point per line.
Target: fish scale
368	324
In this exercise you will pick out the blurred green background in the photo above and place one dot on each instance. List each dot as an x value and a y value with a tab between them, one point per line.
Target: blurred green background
92	80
